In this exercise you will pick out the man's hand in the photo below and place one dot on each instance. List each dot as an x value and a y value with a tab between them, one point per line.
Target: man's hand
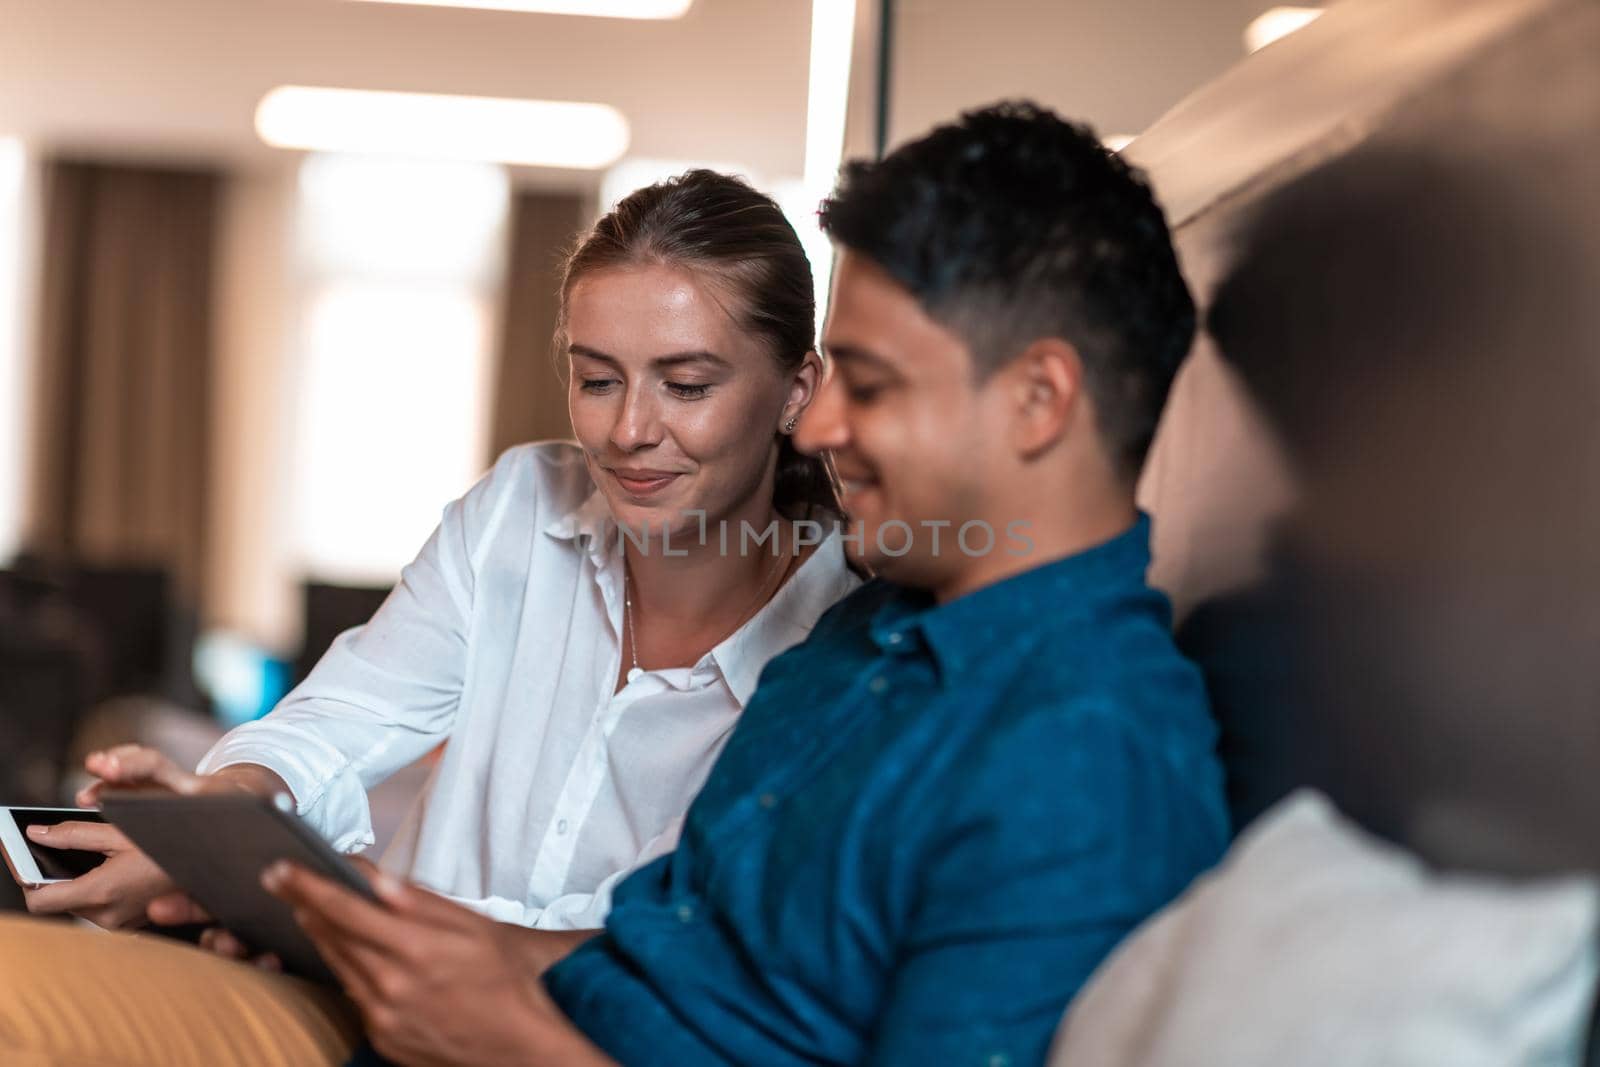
436	983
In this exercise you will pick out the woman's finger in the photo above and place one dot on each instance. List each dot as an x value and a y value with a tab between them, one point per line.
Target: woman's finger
82	836
140	765
225	944
176	909
83	893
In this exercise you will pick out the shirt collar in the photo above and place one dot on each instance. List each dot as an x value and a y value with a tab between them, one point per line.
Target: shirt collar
589	523
969	628
785	620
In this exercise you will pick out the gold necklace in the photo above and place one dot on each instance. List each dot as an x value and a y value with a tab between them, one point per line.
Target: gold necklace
755	605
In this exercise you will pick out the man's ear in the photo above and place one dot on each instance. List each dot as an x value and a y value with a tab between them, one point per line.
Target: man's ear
1045	388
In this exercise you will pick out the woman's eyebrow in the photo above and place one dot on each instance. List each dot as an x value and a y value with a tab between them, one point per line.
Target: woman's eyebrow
695	356
671	359
590	353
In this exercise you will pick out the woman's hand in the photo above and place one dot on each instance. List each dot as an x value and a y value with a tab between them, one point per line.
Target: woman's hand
118	893
180	909
223	943
114	894
436	983
140	767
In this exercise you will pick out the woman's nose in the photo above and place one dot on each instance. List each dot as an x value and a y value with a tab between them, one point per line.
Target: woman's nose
638	423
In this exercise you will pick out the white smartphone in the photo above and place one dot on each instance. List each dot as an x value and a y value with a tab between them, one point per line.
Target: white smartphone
33	864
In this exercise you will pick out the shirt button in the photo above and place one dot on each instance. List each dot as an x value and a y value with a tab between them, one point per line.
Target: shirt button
999	1059
767	800
686	913
896	638
878	684
561	827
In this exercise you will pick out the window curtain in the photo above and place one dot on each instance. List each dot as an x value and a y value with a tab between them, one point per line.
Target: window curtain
124	368
530	395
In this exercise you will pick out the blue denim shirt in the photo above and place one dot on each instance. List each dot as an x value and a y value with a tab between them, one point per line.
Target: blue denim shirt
930	825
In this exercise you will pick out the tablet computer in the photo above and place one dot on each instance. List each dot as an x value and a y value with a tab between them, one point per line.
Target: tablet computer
215	847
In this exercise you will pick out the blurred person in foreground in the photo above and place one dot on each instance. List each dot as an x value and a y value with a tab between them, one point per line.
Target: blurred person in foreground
576	630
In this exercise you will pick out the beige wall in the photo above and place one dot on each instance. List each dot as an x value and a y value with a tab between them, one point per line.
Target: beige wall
1119	64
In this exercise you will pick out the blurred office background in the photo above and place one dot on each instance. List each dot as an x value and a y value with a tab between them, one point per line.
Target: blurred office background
243	365
253	338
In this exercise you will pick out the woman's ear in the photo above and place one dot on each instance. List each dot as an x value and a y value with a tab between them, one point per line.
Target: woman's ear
1046	386
803	385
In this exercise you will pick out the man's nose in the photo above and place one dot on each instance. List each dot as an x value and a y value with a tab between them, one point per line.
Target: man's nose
822	426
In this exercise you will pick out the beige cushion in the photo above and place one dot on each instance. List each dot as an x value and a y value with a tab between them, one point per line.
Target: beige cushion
1315	944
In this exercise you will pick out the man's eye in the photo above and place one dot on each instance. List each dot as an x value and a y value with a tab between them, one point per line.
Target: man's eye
688	391
863	394
597	385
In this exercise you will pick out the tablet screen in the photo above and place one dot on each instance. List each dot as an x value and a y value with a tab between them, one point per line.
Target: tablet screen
57	863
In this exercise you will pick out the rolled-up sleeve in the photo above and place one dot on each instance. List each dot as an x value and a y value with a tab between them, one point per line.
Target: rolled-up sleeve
385	693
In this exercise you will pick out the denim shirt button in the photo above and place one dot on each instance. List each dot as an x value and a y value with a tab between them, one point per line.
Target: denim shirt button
878	684
685	913
896	638
767	800
999	1059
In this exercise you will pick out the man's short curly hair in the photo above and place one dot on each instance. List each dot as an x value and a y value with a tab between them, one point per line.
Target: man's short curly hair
1013	224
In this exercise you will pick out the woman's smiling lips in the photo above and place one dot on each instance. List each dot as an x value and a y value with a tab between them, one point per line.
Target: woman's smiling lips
641	481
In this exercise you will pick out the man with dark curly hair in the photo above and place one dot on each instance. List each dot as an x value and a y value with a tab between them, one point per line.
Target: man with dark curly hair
983	769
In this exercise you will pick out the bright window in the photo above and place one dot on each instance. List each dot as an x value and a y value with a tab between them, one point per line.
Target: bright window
401	265
13	194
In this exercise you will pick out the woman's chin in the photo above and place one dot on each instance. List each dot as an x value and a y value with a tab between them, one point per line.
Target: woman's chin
650	520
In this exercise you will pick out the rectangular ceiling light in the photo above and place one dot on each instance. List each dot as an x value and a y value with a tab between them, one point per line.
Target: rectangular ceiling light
534	133
609	9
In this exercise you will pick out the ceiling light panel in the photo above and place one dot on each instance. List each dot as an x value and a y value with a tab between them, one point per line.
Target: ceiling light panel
610	9
534	133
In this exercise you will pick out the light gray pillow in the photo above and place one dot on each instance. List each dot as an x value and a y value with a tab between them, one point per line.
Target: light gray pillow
1315	944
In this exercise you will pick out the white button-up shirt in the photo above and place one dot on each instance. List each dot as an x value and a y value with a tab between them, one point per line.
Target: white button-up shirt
503	637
